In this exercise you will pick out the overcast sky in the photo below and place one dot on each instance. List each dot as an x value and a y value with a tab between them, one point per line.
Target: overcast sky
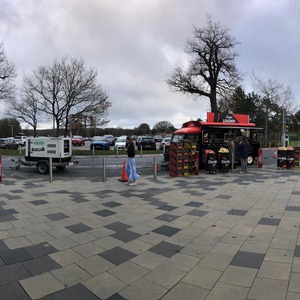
135	44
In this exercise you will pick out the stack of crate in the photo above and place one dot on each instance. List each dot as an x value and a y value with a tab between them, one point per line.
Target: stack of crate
182	158
176	159
189	150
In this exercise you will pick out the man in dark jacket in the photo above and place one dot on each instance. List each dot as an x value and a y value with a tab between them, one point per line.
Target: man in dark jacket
243	151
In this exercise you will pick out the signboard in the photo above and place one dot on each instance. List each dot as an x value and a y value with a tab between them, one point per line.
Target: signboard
227	118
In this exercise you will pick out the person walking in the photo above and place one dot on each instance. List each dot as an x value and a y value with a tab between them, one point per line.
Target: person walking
131	166
243	151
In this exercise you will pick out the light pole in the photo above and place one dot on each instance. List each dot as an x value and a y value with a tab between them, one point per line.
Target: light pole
12	130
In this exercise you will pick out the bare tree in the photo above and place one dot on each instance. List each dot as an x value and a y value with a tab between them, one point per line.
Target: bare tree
66	91
7	74
276	97
212	70
25	108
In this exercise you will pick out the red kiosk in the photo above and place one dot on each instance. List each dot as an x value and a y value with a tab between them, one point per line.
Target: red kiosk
216	132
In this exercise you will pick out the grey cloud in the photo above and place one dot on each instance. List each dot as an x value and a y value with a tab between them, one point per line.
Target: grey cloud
134	44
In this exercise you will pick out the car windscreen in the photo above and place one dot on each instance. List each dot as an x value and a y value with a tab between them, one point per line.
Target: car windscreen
121	140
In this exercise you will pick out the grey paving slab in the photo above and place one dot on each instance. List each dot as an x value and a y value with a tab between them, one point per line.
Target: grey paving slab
264	288
76	292
165	276
42	285
70	275
228	292
198	237
183	290
202	277
104	285
143	289
128	272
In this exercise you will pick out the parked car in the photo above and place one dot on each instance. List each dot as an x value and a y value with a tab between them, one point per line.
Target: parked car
120	142
165	142
158	138
110	138
146	142
134	137
99	143
8	143
20	139
77	140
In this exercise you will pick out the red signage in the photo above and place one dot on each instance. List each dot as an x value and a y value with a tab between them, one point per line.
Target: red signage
227	118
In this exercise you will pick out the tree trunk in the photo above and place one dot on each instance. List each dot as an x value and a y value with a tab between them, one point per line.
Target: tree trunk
213	100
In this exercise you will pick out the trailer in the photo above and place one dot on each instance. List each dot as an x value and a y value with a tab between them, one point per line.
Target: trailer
40	151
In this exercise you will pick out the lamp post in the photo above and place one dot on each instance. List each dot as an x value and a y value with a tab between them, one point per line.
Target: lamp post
12	130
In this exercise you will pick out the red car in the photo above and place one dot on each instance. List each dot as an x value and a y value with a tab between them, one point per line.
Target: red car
78	140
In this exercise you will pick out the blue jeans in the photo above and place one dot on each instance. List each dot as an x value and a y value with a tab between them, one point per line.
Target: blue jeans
131	169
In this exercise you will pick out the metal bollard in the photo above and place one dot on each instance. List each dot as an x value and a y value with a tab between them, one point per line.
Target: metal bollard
104	169
50	170
155	167
141	151
0	169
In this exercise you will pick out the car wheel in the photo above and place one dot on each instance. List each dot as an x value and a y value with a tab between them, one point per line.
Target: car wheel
250	160
43	167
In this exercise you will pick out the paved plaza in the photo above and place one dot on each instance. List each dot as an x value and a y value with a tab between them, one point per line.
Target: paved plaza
213	236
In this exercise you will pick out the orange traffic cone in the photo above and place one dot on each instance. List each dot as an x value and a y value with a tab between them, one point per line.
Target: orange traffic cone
275	153
124	176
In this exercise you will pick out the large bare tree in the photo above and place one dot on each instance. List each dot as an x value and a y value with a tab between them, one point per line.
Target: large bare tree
66	91
7	74
211	70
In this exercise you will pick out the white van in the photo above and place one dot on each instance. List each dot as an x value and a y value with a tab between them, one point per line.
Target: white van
21	140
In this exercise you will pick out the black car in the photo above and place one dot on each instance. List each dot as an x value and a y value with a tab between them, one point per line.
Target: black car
158	138
146	143
8	143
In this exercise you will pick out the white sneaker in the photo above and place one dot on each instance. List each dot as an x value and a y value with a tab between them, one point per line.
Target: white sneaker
132	183
128	182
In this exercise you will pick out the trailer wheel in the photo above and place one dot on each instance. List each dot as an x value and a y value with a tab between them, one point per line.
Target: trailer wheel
43	167
250	160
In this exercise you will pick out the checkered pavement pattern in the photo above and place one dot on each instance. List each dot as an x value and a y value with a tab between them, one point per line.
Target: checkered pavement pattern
221	236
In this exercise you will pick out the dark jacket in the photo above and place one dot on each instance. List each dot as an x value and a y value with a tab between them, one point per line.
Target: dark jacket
130	150
243	149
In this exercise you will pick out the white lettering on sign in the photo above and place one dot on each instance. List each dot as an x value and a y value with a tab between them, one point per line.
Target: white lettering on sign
212	162
225	162
229	119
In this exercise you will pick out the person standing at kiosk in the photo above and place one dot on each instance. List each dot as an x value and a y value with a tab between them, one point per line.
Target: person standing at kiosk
231	148
243	151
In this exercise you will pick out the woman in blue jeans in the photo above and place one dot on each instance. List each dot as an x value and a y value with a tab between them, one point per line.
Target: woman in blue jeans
130	166
243	150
